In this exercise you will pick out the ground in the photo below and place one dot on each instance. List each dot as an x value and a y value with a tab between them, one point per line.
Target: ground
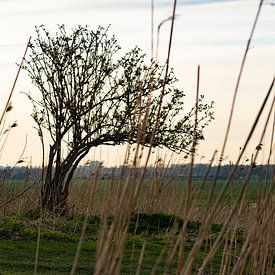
59	240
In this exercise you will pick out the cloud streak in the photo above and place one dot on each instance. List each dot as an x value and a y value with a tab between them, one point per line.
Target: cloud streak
84	5
201	2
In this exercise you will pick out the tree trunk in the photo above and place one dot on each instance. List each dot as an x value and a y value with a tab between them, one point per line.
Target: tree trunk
55	188
51	192
53	199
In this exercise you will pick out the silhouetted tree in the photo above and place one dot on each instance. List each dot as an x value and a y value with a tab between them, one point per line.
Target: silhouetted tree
91	95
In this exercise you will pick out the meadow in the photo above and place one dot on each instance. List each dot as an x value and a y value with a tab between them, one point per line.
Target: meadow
132	224
152	231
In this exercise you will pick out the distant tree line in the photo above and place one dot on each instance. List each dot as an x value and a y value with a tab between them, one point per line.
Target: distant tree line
85	172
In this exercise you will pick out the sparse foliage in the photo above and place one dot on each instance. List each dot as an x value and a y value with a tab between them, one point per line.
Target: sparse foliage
92	95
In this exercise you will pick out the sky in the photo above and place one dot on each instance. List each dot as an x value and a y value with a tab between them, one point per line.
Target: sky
209	33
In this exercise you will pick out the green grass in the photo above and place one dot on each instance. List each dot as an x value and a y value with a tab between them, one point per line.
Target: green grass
56	256
59	240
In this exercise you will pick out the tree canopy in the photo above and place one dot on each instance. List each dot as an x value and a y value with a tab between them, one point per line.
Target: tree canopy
92	94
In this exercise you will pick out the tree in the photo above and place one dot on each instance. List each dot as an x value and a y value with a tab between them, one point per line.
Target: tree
92	95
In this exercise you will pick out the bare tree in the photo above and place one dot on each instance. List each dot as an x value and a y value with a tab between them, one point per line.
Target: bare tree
92	95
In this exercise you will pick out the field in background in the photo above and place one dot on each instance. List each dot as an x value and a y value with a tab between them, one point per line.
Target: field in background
156	196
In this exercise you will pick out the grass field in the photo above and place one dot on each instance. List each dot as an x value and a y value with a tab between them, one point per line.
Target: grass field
157	196
151	235
59	242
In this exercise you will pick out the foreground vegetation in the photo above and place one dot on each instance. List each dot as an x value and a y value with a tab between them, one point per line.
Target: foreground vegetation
59	237
151	237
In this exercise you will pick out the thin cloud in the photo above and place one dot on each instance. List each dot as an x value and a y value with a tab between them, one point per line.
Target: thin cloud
64	6
201	2
191	2
109	4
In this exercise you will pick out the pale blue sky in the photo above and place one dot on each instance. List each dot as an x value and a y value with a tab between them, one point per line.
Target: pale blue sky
212	33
